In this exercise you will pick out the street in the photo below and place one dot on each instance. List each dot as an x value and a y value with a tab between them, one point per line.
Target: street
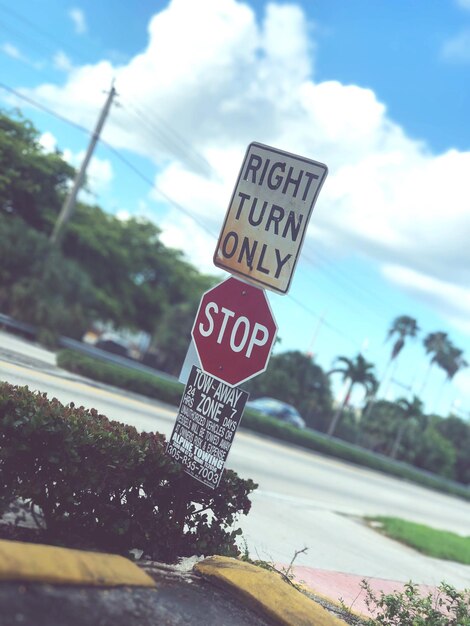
303	500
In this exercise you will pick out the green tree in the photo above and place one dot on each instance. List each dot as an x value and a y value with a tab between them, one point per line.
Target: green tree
409	410
295	378
455	430
436	345
137	277
451	361
402	327
359	372
429	450
379	425
120	266
40	287
32	183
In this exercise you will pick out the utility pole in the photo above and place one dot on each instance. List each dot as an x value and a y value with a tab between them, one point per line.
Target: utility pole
69	204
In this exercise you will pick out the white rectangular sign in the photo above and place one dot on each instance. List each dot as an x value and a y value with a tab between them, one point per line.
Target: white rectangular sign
268	215
208	417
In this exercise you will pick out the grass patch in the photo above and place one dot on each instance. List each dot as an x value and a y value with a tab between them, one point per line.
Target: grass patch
440	544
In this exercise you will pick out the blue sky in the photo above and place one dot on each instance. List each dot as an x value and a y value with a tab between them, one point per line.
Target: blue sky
377	90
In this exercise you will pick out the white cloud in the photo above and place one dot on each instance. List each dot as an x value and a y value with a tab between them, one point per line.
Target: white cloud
11	51
179	231
15	53
62	62
79	21
123	215
48	142
464	4
213	78
445	295
457	48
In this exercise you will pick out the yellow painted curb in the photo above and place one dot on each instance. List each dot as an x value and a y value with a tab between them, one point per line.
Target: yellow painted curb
265	591
30	562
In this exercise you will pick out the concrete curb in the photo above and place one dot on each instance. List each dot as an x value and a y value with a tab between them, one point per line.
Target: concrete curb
258	589
29	562
265	592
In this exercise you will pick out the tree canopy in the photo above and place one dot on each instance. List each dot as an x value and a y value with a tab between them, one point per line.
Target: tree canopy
357	371
107	269
402	327
32	183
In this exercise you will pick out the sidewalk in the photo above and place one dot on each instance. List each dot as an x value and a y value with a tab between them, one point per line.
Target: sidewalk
50	586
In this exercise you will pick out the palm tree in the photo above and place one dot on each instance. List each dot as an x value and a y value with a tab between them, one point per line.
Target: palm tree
409	410
436	344
357	371
402	327
451	361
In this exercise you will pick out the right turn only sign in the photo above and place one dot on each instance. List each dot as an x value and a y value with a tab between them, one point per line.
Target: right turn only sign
268	215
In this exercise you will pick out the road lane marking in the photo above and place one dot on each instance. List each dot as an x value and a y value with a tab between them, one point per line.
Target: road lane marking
90	389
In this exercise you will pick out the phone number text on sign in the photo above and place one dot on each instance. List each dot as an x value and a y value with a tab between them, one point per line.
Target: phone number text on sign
208	418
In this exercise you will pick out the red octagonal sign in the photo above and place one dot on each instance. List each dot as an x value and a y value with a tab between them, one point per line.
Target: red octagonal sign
234	331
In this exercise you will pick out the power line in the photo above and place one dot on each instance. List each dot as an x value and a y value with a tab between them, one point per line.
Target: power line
357	302
172	139
180	148
170	200
118	155
324	322
348	281
43	33
161	129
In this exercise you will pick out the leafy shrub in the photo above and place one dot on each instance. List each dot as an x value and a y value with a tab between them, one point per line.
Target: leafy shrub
319	442
446	608
123	377
101	484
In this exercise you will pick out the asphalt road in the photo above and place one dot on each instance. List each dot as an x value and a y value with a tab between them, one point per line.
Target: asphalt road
303	500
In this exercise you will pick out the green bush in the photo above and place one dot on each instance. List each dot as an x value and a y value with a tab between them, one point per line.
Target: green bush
333	447
95	483
123	377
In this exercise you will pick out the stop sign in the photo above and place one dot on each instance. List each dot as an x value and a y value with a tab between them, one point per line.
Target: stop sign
234	331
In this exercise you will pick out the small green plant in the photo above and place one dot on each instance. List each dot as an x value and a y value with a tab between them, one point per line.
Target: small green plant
93	483
447	607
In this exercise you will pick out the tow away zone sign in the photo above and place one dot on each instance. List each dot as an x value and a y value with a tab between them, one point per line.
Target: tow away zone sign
208	418
268	215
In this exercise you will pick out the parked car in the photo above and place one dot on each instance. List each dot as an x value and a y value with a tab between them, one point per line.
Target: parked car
275	408
113	346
